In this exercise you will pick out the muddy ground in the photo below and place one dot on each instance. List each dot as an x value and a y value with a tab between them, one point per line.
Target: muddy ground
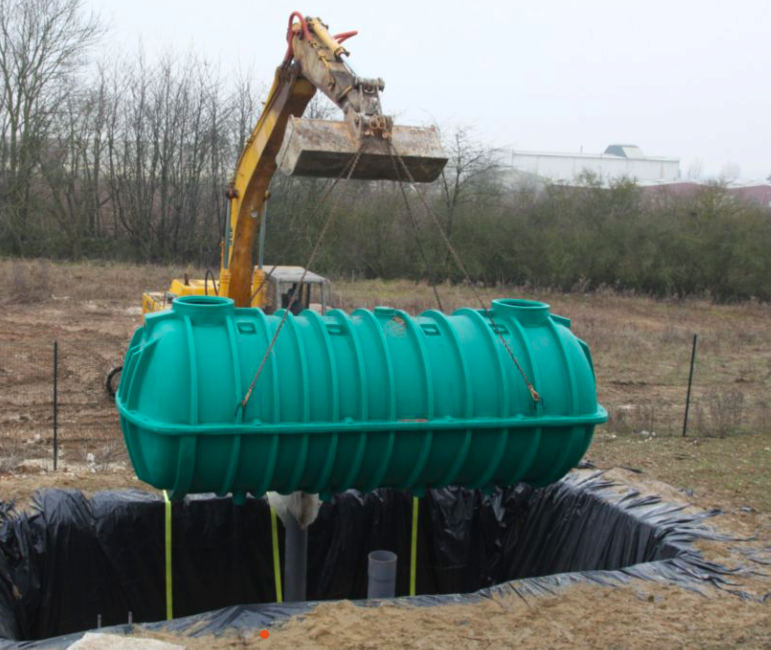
641	352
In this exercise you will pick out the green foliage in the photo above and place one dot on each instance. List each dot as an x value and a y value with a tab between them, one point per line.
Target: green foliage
568	238
134	161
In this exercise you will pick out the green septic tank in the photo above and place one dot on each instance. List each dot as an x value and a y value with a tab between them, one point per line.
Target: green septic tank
374	398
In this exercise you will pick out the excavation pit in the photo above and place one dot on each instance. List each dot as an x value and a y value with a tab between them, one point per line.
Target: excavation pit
72	561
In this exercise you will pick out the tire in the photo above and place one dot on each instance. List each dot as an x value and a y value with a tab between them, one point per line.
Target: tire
112	381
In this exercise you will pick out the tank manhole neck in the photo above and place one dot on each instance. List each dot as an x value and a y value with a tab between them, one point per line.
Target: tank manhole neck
530	313
203	309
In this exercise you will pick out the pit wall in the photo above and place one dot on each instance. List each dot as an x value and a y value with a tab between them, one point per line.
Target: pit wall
74	560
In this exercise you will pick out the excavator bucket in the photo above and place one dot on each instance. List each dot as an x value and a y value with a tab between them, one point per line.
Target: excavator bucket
324	149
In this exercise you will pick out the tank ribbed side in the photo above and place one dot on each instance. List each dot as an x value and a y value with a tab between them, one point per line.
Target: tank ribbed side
234	453
383	449
467	398
325	467
305	397
362	415
576	434
427	409
375	398
492	343
528	447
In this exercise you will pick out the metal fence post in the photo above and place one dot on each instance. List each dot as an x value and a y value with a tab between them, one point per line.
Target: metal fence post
56	402
690	382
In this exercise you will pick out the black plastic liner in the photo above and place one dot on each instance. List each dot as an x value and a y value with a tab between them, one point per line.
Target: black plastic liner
73	559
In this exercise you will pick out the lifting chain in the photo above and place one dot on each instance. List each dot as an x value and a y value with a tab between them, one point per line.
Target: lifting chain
418	236
347	172
488	312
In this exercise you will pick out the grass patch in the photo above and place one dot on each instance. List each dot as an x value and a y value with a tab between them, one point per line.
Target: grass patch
732	471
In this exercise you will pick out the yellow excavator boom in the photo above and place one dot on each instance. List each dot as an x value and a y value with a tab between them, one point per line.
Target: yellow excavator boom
314	61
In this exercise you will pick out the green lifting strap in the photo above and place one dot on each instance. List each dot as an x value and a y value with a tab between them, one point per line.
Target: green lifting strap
414	546
276	556
167	545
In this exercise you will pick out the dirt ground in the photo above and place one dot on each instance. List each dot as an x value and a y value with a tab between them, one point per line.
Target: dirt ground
641	352
633	618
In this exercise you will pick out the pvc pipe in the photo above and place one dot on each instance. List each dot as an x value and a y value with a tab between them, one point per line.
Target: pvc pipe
296	559
381	576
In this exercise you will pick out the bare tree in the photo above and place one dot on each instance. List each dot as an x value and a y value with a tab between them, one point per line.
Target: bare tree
170	153
42	47
731	171
247	101
72	164
470	175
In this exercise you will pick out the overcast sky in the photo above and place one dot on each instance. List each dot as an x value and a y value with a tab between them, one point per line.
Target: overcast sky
682	78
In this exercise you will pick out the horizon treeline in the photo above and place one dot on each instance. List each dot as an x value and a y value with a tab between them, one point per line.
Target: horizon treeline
129	160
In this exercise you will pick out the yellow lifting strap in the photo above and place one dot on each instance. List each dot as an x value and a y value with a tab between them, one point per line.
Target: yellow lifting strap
276	556
414	546
167	545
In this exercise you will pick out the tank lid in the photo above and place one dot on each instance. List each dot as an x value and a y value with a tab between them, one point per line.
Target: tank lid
529	313
203	310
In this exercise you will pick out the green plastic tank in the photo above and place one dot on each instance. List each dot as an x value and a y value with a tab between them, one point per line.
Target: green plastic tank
362	400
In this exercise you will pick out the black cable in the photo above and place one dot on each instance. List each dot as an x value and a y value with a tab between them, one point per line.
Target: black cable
209	272
418	237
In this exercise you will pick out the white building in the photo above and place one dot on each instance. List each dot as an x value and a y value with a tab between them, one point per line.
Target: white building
618	160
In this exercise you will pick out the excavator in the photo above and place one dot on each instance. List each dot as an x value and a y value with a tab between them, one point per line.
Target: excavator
361	146
395	401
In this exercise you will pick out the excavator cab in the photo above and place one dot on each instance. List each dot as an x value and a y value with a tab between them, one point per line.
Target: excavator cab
294	288
275	288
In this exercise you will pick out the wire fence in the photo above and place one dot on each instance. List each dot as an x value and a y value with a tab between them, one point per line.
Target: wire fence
54	406
55	410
